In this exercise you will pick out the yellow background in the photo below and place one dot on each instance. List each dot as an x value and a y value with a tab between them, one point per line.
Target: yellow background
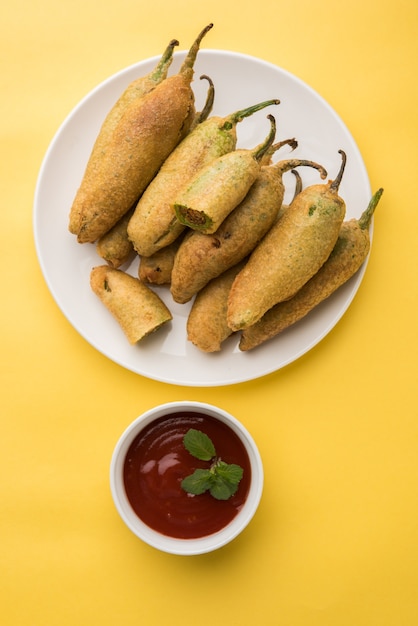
335	540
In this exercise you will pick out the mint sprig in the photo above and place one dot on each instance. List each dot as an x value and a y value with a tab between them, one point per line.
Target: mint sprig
220	479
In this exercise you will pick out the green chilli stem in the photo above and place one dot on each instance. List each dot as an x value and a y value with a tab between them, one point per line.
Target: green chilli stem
237	116
204	114
336	183
366	217
190	59
261	150
165	60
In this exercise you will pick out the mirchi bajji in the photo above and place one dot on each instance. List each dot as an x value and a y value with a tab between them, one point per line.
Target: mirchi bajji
133	93
207	326
157	268
114	246
346	258
220	186
289	255
154	224
138	310
146	134
201	257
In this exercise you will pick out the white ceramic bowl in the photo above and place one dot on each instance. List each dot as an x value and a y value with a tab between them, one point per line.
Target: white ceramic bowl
170	544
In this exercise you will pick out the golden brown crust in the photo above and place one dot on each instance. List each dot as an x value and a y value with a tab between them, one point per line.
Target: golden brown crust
349	253
289	255
134	92
216	190
202	257
140	142
154	224
138	310
114	246
157	268
206	325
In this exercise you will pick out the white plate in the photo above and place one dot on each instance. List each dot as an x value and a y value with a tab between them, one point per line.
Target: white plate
167	356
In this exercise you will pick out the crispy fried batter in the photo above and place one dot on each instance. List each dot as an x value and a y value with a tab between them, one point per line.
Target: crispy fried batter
114	247
346	258
134	149
141	141
138	310
289	255
202	257
206	324
134	92
157	268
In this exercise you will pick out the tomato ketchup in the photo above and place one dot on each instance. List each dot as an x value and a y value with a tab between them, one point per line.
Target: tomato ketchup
157	462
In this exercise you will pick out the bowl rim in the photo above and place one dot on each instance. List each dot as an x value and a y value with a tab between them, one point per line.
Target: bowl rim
175	545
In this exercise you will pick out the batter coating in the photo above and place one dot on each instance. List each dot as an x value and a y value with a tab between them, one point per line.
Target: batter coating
138	310
207	327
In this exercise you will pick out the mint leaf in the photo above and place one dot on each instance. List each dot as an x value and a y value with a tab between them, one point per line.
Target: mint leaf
222	489
227	479
198	482
229	472
199	445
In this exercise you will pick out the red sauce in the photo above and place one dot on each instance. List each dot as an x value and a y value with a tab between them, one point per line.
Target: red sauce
157	462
